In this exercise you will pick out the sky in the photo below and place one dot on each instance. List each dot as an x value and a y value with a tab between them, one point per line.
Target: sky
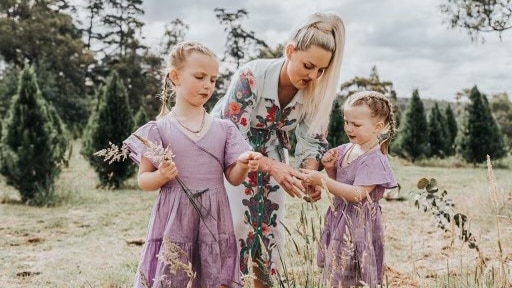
407	40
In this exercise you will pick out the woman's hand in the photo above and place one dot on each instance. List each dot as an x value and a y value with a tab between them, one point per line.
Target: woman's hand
287	177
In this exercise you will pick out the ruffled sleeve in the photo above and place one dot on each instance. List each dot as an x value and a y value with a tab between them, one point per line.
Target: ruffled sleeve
375	170
136	148
235	144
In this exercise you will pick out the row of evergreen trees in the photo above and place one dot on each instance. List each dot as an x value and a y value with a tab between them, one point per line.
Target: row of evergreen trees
34	140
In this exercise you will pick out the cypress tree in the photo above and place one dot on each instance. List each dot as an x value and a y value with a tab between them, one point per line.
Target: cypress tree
438	136
479	135
451	126
336	135
33	143
140	118
412	141
111	121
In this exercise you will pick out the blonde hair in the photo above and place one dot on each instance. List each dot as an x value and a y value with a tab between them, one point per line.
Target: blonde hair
325	30
176	60
381	108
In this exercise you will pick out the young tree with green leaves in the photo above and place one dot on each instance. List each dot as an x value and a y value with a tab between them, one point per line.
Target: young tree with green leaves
479	135
336	135
412	138
34	143
110	122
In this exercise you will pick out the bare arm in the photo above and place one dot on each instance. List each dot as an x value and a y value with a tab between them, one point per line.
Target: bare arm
285	175
237	173
348	192
150	179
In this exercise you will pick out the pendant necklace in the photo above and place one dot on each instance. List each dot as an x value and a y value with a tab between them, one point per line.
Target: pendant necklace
198	132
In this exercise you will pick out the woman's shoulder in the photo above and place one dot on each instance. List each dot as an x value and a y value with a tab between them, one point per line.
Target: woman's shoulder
259	67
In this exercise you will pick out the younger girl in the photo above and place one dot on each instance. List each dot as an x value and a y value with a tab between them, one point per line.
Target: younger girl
204	150
351	246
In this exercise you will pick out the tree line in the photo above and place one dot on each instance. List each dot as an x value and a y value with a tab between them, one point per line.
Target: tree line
94	79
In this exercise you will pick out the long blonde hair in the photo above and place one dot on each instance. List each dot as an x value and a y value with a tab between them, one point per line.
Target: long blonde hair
381	108
176	60
325	30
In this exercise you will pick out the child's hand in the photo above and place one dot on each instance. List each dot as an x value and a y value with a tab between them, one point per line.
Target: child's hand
250	160
168	169
312	177
329	158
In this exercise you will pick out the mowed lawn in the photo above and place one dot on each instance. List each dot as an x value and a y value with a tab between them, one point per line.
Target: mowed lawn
92	238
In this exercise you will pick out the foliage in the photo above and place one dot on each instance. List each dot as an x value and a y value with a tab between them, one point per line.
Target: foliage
336	135
443	210
111	121
501	108
479	134
451	125
140	118
438	134
33	144
40	33
412	138
479	16
239	43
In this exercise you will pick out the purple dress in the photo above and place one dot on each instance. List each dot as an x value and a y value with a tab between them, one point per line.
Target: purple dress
209	245
352	241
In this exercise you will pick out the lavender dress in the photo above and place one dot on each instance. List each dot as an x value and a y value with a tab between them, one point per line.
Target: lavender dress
351	245
209	245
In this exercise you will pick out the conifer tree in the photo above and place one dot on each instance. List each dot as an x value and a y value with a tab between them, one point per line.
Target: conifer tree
336	135
140	118
451	125
111	121
479	135
33	143
438	137
412	141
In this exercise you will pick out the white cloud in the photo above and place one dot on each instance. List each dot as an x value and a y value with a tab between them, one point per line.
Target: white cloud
406	40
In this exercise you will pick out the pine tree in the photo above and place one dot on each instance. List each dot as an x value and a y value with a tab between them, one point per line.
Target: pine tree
479	135
438	136
140	118
33	143
412	141
336	135
111	121
451	125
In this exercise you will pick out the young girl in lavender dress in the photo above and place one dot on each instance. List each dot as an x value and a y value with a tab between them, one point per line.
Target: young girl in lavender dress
205	149
351	246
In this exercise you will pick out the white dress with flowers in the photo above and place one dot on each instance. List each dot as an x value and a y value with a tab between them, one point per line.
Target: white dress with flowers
252	103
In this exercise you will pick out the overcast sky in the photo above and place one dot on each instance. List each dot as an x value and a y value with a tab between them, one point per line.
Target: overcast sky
406	40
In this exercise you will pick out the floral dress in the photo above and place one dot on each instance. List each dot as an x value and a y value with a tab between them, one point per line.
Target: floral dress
252	103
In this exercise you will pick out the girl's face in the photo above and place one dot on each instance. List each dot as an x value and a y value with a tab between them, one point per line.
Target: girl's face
306	66
360	127
195	81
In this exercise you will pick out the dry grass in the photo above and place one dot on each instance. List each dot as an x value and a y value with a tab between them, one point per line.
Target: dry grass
86	240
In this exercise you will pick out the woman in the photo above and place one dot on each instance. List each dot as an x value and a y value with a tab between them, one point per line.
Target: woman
266	99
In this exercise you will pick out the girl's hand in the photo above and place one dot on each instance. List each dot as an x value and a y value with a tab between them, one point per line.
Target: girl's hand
168	169
250	160
329	158
312	177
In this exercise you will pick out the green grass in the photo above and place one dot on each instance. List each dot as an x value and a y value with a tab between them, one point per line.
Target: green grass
84	240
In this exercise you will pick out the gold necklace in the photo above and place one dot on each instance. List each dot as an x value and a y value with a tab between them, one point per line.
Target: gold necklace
198	132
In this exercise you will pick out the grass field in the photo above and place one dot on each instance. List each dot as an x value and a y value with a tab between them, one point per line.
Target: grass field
92	237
